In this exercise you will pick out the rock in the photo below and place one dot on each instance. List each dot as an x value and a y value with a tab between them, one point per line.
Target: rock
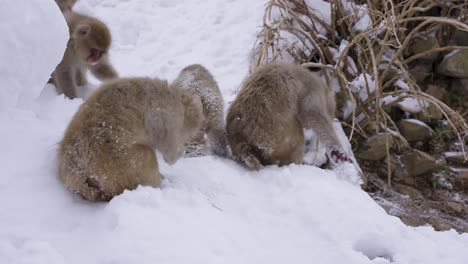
421	71
415	130
424	45
456	158
457	207
416	162
460	87
436	91
410	191
461	178
419	145
441	162
409	181
431	113
376	147
371	127
439	224
454	64
391	73
410	221
460	38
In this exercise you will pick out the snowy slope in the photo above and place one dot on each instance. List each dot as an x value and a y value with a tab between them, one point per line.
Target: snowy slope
209	210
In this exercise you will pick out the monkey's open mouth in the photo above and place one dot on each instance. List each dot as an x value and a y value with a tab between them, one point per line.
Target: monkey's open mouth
95	55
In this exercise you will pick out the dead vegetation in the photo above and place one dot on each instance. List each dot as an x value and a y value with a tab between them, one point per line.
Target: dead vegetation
363	50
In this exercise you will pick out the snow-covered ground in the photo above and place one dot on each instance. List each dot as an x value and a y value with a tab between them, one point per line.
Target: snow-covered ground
209	210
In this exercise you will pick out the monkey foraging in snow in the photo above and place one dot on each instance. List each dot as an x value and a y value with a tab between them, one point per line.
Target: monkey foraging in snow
87	48
109	144
198	80
265	122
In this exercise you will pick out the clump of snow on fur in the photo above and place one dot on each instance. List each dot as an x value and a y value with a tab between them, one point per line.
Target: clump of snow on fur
364	85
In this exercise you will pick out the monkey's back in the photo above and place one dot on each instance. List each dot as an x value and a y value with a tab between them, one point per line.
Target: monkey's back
267	98
99	142
263	115
199	81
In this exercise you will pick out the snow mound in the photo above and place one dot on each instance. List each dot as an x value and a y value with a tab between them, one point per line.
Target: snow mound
34	36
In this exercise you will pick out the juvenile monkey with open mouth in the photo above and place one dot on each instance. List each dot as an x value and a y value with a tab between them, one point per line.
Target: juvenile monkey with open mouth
87	48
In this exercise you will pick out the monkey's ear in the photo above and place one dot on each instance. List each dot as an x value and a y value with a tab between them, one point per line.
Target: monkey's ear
83	30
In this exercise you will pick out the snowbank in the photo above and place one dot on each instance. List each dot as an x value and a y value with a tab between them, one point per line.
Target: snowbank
34	36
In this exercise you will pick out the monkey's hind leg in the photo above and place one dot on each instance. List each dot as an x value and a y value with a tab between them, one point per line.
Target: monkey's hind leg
218	141
146	166
247	154
138	167
326	133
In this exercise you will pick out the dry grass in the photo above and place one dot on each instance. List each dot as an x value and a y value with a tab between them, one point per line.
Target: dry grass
292	31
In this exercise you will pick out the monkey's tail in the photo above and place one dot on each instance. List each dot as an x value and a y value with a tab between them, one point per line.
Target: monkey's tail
247	154
89	189
93	187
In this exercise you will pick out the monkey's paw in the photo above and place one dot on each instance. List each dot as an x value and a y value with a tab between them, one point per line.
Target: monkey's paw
338	156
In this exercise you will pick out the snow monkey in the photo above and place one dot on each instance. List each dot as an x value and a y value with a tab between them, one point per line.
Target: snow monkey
198	80
109	144
65	5
265	122
87	48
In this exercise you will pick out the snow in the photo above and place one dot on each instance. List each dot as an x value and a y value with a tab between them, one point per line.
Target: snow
389	99
34	32
420	123
400	83
348	109
412	105
363	84
322	9
452	53
453	154
209	210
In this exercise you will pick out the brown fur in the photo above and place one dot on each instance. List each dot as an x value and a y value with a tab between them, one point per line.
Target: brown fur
86	34
198	80
108	146
65	5
265	122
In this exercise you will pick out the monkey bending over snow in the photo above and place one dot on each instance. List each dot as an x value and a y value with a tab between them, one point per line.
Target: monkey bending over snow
109	145
265	122
87	48
198	80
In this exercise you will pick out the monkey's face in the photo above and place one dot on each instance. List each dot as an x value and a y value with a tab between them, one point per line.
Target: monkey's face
92	42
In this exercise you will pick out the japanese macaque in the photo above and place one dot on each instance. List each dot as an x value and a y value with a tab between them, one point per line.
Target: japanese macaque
265	122
87	48
109	145
198	81
65	5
